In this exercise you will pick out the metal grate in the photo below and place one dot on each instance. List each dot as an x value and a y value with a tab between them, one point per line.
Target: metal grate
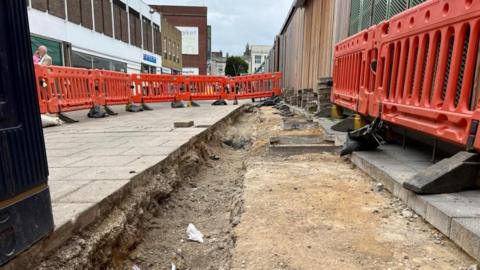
366	14
391	52
401	91
413	3
435	67
461	74
415	63
379	11
355	16
451	42
396	6
424	68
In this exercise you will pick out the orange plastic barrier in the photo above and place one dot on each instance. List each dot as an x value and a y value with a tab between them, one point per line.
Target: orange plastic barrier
149	88
45	101
255	86
64	89
204	88
423	63
351	69
114	88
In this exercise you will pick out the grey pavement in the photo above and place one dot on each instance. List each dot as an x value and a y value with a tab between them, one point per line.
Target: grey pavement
91	160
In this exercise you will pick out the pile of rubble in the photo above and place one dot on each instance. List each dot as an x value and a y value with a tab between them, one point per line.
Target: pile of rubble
312	100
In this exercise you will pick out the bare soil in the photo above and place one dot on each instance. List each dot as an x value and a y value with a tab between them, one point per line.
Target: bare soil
263	211
317	211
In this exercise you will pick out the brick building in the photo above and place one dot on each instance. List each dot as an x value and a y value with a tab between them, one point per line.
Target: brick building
172	49
192	21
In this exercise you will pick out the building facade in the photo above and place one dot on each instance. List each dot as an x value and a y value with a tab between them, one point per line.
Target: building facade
256	55
192	22
217	64
122	35
171	49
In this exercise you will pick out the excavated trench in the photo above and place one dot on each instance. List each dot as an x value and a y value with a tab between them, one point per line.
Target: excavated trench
201	185
295	198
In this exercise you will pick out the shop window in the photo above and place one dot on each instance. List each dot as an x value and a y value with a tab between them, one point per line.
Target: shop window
54	49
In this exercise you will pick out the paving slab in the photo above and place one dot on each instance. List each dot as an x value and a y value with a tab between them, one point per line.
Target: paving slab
457	215
94	159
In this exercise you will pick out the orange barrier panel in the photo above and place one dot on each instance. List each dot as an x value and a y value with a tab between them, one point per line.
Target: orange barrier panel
65	88
150	88
45	101
204	88
423	64
114	88
433	50
255	86
352	70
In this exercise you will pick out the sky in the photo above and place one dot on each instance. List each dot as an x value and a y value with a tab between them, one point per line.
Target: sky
238	22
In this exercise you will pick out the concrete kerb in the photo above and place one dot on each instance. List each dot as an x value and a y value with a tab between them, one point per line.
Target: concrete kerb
96	214
463	231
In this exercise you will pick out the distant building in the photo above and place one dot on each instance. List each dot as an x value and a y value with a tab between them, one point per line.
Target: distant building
192	22
101	34
217	64
256	55
209	42
172	49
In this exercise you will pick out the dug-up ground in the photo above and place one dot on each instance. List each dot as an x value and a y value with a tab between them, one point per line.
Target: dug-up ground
259	210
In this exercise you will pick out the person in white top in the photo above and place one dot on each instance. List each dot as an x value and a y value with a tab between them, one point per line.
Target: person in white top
45	59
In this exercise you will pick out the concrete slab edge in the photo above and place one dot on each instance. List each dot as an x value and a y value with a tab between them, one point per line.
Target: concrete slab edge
95	214
459	230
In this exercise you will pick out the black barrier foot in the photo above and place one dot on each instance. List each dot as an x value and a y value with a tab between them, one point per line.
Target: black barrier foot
134	108
219	102
177	105
109	111
97	112
366	138
192	103
269	102
146	107
450	175
345	125
66	119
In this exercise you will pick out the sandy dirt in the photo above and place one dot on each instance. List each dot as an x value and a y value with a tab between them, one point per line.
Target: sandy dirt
264	211
317	211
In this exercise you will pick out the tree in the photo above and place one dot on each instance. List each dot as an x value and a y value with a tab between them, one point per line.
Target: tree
236	66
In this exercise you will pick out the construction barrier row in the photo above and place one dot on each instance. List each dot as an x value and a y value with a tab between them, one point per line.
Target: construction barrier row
418	70
64	89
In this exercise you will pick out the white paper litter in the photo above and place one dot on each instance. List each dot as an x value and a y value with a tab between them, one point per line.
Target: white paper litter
174	267
194	234
134	267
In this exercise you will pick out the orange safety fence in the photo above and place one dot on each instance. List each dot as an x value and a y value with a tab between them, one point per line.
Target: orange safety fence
255	86
351	69
204	88
149	88
421	74
113	87
64	89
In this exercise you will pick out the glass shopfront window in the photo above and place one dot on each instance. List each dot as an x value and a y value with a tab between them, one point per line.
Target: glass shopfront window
83	60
